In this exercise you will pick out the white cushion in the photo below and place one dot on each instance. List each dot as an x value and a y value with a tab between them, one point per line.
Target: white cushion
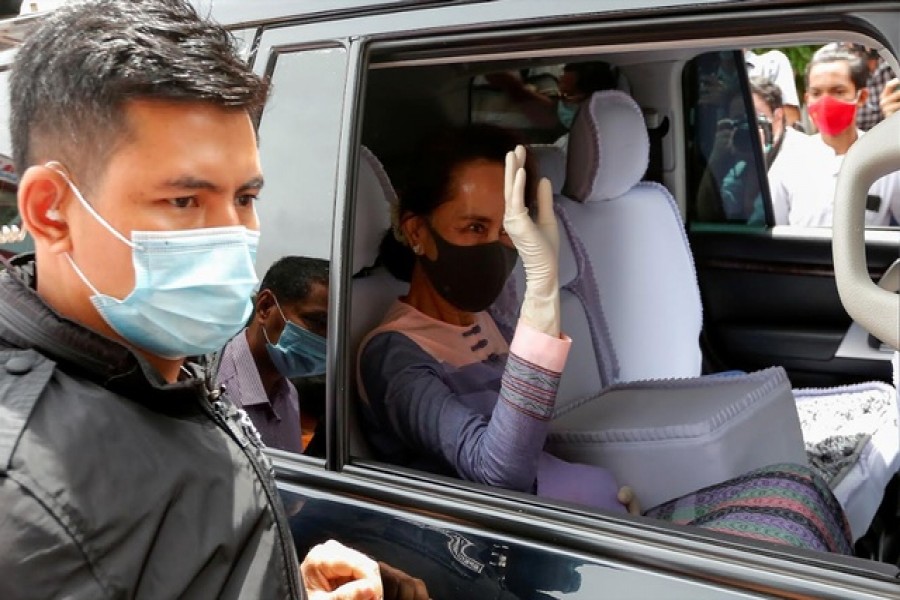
608	148
646	280
868	409
374	195
669	438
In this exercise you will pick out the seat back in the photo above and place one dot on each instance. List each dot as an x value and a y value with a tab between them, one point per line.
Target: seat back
373	289
635	243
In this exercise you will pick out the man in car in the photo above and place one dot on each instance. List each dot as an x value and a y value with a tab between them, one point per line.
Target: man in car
285	340
836	89
123	473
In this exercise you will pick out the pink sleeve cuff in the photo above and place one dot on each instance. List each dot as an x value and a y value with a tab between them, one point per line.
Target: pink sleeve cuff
539	348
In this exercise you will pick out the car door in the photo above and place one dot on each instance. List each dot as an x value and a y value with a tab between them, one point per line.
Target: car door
768	291
461	539
422	530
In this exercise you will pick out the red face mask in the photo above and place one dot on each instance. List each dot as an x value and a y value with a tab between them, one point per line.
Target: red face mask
832	116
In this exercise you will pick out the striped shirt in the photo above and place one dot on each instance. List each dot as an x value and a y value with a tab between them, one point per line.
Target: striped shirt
277	418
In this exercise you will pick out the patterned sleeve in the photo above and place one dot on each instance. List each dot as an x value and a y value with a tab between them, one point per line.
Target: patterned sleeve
410	401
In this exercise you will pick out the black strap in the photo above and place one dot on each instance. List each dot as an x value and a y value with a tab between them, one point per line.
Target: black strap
655	162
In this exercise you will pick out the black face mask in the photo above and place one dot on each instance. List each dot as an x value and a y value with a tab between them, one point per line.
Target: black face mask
469	277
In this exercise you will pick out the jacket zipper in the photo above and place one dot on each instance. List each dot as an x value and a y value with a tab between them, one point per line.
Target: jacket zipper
214	407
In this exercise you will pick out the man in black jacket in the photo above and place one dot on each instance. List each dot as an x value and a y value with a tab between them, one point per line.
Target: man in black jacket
122	471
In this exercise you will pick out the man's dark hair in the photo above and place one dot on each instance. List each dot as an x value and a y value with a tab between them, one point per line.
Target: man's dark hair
768	90
73	75
859	71
291	278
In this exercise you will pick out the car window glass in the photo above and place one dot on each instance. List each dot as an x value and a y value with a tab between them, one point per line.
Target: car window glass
298	142
724	168
299	134
787	104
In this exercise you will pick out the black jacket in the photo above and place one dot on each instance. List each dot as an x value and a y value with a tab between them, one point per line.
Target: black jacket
115	484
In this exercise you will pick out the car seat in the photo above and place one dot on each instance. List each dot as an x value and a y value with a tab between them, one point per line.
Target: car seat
649	307
373	289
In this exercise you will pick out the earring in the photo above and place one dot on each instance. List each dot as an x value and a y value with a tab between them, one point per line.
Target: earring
417	249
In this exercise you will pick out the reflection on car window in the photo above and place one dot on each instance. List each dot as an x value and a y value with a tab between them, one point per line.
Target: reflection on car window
723	141
540	103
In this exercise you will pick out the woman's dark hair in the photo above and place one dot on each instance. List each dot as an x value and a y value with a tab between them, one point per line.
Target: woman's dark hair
432	175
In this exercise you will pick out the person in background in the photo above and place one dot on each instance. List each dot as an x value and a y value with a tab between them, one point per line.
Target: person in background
576	83
880	73
786	149
890	97
775	66
125	473
284	339
836	89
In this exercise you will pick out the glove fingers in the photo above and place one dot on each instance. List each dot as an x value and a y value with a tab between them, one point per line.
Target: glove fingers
546	218
520	155
509	176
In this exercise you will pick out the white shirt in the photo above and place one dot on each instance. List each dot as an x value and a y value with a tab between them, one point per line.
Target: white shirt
803	178
776	66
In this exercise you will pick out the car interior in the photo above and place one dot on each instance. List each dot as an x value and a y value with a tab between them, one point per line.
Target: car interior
703	349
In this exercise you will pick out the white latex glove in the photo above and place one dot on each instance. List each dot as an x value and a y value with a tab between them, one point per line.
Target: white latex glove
538	245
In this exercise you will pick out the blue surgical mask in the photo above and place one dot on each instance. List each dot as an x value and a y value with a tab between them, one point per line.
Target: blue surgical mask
299	352
566	112
192	287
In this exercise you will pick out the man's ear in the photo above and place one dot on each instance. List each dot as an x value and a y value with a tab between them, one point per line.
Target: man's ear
43	205
265	304
863	97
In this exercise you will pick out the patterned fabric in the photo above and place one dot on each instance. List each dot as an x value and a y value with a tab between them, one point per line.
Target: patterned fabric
529	388
783	504
869	115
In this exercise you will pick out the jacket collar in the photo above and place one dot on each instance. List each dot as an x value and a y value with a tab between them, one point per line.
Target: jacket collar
26	321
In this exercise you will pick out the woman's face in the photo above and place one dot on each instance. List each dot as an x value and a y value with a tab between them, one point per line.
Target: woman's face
474	212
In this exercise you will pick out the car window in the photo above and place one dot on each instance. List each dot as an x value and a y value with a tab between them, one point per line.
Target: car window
805	105
299	134
724	166
298	142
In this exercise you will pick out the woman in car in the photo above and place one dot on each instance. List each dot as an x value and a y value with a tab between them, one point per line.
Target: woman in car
443	390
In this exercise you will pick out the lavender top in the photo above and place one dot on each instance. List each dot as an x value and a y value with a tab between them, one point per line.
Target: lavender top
459	401
277	417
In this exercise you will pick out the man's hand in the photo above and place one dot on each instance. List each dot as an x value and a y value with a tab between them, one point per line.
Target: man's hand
890	97
332	571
